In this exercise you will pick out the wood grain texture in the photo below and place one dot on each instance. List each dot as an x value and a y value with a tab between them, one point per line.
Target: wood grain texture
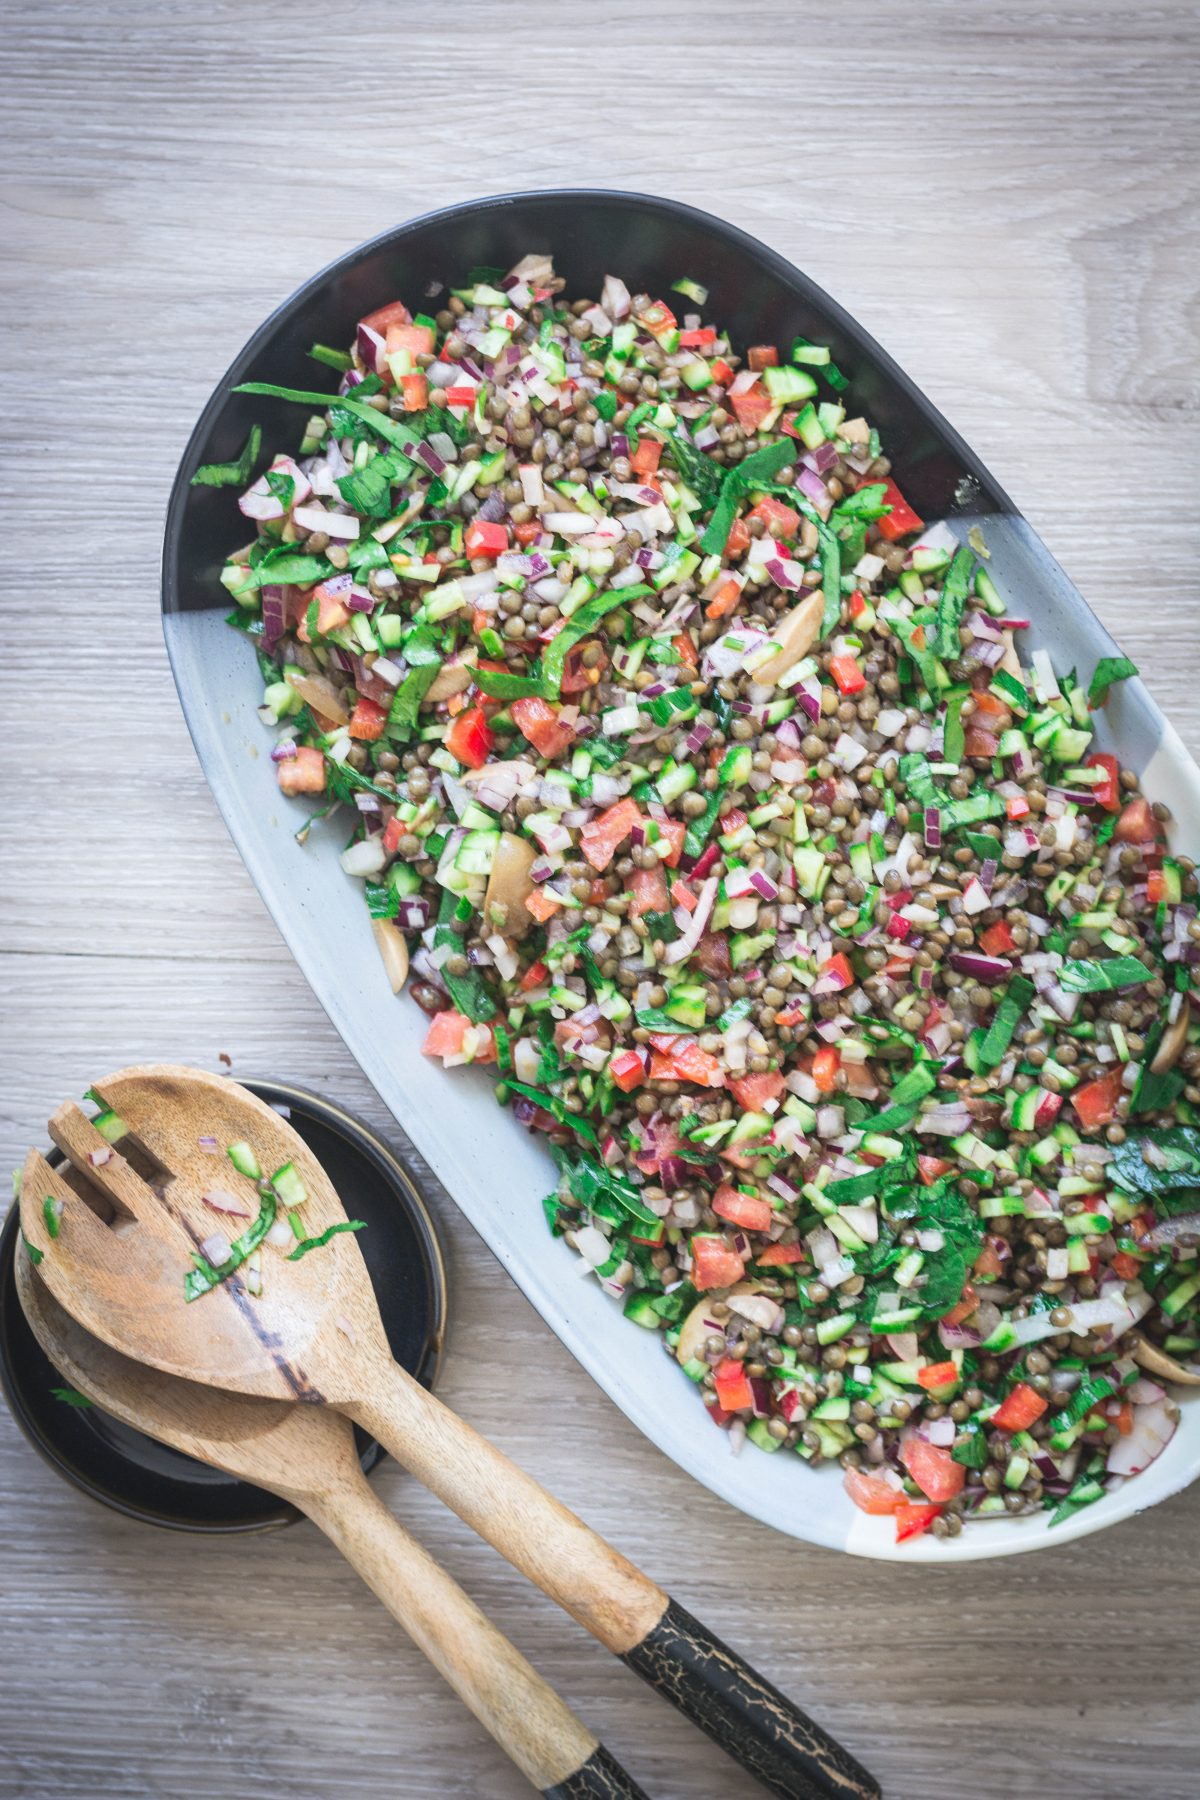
1006	195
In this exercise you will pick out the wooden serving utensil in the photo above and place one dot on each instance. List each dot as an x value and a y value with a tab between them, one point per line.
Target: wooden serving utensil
314	1335
308	1457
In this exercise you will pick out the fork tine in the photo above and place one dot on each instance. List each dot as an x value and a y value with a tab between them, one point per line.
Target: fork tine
78	1226
81	1144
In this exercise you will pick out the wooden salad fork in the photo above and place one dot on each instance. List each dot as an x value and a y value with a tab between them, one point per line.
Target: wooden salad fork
307	1328
307	1456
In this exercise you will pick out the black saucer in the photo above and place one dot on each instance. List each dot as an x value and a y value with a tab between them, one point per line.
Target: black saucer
146	1480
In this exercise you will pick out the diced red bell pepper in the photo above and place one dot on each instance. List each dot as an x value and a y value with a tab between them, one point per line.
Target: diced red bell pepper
1096	1103
485	538
780	1256
838	965
902	519
649	890
332	611
825	1066
684	645
738	541
303	773
743	1210
932	1168
780	520
393	831
447	1032
470	737
936	1376
658	318
714	1264
858	603
535	974
644	460
762	356
991	709
987	1264
898	927
964	1306
627	1070
1016	807
543	906
846	672
753	1091
394	313
725	600
1156	886
997	940
698	339
721	372
367	721
932	1468
1108	791
600	838
1137	823
1126	1265
672	832
733	1389
752	407
1019	1408
912	1520
871	1493
528	533
538	721
680	1058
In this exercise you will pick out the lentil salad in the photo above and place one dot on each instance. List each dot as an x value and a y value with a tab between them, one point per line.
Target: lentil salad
710	797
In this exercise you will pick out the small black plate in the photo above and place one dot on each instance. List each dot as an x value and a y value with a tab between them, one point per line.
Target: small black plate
147	1480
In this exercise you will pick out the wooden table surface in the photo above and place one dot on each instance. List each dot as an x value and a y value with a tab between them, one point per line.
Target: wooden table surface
1006	196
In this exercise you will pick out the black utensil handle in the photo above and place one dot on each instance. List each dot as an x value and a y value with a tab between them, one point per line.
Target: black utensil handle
601	1777
744	1714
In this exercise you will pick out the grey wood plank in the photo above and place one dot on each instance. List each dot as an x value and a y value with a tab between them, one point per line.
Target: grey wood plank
1007	197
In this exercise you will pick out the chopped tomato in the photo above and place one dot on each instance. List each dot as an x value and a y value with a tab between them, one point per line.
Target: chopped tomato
1108	791
529	532
753	1091
415	391
911	1520
979	742
303	773
742	1209
902	519
683	896
1122	1418
725	599
987	1263
738	541
680	1058
627	1070
485	537
1016	807
714	1264
932	1468
672	832
779	1256
722	372
332	611
578	676
1126	1265
752	407
1156	886
839	966
1018	1409
1137	823
858	603
600	838
1096	1103
447	1037
688	654
367	720
938	1375
459	396
825	1066
762	356
394	313
470	738
543	906
644	460
964	1306
657	318
992	710
416	339
712	955
847	674
733	1388
393	831
997	940
871	1493
699	339
780	520
534	975
649	890
538	721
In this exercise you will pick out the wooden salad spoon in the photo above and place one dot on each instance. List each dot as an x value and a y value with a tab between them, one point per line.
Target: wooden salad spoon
307	1456
308	1329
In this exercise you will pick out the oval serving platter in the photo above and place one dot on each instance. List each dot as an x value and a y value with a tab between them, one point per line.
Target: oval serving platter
452	1116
